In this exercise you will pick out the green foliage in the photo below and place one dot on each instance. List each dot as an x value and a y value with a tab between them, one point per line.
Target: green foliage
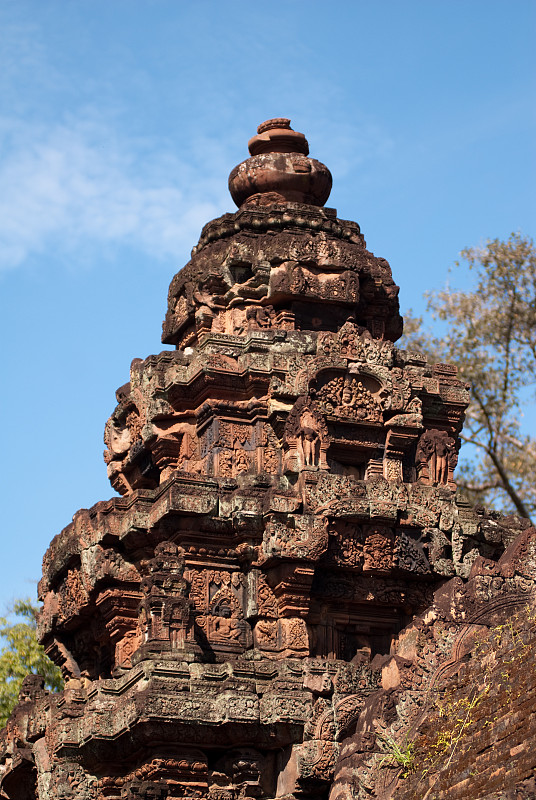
398	754
497	656
20	655
492	339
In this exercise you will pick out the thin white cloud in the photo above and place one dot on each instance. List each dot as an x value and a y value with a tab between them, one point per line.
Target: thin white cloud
78	183
73	186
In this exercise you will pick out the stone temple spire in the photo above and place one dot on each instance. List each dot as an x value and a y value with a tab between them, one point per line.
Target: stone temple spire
282	572
283	259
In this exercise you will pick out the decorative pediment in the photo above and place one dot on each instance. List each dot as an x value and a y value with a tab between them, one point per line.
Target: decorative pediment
348	396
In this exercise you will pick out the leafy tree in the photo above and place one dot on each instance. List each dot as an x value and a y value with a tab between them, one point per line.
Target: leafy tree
491	337
21	655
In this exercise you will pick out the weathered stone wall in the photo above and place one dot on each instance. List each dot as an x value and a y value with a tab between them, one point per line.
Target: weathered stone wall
456	715
477	742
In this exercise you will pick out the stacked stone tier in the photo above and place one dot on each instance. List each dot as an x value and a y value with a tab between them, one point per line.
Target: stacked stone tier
288	266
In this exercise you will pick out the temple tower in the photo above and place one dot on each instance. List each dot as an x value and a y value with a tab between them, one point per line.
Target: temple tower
286	508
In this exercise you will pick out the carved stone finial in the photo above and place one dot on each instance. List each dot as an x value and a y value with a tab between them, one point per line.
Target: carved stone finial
279	170
276	136
276	123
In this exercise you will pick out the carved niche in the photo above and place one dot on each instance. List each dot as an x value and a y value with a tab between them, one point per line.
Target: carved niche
164	611
218	599
241	773
306	438
228	447
436	457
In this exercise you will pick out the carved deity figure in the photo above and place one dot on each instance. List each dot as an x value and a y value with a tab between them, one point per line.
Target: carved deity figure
309	439
436	448
347	395
306	438
439	466
346	338
414	407
32	687
266	632
352	288
299	282
224	626
225	463
260	316
271	461
241	461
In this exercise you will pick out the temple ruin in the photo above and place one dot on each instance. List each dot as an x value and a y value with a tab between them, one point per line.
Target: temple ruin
287	577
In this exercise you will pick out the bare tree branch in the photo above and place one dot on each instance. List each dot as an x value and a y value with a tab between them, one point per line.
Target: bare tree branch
493	342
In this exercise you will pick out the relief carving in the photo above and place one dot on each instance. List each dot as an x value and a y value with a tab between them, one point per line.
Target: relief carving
266	600
164	612
267	634
260	317
306	438
129	462
355	343
348	397
231	446
126	648
222	625
379	548
304	537
271	461
345	544
436	455
241	773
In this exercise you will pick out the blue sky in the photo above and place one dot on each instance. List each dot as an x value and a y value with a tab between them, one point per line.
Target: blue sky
119	124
